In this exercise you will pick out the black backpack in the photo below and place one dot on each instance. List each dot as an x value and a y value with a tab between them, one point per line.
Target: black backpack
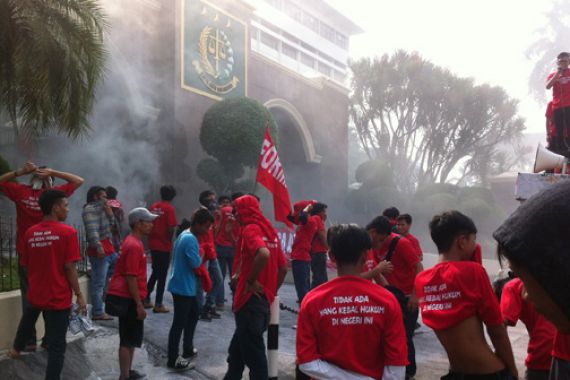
400	296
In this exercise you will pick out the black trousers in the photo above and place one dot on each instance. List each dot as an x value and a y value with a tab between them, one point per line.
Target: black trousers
561	142
57	322
247	346
560	369
410	320
160	263
319	269
502	375
184	320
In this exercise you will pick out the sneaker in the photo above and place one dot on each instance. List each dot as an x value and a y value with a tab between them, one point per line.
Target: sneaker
190	356
160	309
181	364
205	317
214	315
136	375
147	304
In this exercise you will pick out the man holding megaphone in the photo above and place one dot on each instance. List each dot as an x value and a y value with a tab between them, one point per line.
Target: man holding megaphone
559	81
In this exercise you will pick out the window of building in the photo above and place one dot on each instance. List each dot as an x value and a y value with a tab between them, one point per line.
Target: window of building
307	60
269	41
276	3
341	40
293	11
311	22
328	32
289	51
324	69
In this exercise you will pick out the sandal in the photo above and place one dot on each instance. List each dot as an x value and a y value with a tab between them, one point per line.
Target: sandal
102	317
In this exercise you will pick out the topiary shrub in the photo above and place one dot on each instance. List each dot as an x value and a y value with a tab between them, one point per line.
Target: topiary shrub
232	132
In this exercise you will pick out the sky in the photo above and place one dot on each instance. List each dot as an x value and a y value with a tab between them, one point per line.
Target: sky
484	39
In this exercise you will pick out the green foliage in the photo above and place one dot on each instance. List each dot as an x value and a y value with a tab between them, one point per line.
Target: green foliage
52	60
431	125
232	132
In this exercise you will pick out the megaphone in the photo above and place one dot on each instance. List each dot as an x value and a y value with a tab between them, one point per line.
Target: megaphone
547	160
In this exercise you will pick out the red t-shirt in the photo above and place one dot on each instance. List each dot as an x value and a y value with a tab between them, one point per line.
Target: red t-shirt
404	259
561	90
541	332
160	238
132	262
415	243
453	291
561	349
107	245
28	210
253	239
224	238
317	245
352	324
48	246
304	236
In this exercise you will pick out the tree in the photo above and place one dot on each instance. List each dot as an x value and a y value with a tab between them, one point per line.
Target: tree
232	132
553	40
52	58
429	123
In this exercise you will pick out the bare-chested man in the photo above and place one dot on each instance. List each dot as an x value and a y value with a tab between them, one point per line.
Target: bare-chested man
456	299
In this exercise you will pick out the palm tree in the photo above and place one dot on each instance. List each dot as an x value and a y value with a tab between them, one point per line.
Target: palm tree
51	58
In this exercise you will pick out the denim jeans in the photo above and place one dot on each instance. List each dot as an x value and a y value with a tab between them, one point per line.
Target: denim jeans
301	277
100	270
185	319
225	259
247	346
319	269
160	263
57	322
216	276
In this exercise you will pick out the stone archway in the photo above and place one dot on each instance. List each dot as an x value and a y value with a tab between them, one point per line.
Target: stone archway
311	155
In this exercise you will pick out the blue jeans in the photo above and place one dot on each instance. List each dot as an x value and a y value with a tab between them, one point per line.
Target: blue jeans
226	260
216	276
101	272
301	277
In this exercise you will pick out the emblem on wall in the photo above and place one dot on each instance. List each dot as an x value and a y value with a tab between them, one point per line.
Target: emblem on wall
214	51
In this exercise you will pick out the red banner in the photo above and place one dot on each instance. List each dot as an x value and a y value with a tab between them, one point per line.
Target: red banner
270	174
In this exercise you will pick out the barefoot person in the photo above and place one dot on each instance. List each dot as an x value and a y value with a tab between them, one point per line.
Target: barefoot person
50	252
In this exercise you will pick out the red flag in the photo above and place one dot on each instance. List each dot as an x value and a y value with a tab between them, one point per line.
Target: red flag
270	174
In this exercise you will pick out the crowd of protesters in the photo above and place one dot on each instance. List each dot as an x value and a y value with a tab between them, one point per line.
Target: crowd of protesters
358	325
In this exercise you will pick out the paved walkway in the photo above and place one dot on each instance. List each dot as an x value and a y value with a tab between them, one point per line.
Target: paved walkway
96	357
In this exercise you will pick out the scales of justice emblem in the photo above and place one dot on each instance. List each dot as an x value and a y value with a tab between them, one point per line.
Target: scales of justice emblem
215	59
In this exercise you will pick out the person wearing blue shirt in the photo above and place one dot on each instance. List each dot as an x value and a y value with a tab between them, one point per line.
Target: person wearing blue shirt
182	285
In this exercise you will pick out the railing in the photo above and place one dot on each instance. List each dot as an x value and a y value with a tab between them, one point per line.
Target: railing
9	277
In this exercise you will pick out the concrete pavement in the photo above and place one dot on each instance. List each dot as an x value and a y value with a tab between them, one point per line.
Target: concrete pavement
95	357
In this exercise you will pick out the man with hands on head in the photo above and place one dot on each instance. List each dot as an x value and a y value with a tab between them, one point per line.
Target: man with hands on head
28	212
559	81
